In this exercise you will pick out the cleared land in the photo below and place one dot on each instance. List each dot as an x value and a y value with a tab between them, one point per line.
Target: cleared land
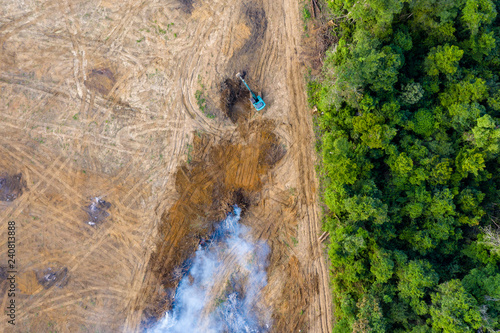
130	102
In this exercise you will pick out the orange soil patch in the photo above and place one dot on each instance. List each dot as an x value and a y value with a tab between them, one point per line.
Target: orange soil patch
221	173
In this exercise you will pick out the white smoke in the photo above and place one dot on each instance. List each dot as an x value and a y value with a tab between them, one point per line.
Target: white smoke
231	260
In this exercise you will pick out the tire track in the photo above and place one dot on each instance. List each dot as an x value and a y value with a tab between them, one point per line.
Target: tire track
320	315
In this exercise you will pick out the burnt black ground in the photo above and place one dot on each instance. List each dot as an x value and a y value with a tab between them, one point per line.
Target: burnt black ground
11	187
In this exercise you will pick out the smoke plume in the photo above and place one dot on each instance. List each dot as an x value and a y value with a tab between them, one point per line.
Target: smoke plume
221	290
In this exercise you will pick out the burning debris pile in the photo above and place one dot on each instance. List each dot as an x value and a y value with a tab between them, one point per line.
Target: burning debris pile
53	276
221	289
98	211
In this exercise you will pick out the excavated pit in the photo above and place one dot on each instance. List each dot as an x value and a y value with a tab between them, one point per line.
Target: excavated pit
100	80
187	6
235	99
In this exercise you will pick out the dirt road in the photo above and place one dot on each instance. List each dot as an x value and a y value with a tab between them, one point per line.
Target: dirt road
103	99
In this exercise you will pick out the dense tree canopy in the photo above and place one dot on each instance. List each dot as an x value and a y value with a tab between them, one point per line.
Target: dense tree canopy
409	105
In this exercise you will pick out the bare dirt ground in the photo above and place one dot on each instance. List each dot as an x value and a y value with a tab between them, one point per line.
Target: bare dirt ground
120	149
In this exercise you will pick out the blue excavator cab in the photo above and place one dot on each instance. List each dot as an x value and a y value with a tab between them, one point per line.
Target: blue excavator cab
257	101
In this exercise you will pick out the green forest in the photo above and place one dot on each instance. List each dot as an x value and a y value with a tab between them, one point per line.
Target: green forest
408	114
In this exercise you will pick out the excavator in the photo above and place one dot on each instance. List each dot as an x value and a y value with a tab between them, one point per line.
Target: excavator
257	101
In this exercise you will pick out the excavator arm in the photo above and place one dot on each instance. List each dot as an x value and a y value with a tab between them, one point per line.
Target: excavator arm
257	101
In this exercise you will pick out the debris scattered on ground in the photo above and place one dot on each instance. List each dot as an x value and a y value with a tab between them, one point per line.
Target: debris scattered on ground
53	276
98	211
326	37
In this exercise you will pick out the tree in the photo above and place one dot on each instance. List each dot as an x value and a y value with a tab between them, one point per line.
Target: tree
443	59
470	161
401	165
374	133
340	163
453	309
442	172
412	93
424	122
363	208
470	201
403	39
368	65
468	90
478	12
463	115
415	280
480	45
487	135
442	204
375	15
484	285
433	15
494	101
382	266
491	238
370	317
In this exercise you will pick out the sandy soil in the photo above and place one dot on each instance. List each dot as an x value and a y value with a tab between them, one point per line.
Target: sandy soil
104	145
